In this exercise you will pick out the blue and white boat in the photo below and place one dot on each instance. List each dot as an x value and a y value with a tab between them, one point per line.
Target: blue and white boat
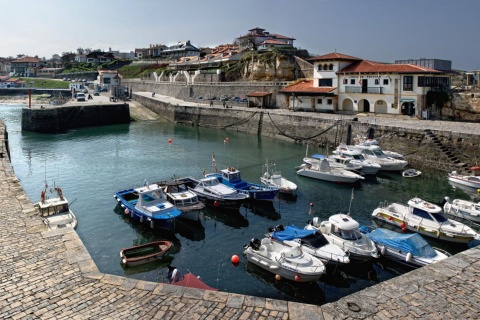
408	249
231	178
148	204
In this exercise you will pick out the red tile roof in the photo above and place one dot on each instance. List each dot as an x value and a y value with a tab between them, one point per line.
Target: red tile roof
271	41
366	66
306	86
334	56
27	59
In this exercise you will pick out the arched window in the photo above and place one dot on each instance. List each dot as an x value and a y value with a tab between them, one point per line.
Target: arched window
330	67
319	67
325	67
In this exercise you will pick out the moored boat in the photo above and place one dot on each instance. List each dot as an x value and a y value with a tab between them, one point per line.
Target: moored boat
425	218
323	171
410	173
335	161
466	180
231	178
285	261
188	280
408	249
311	241
464	209
274	178
55	211
215	194
144	253
148	204
183	199
375	154
356	157
343	231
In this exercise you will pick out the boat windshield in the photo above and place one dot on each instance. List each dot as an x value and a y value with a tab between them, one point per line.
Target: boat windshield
316	240
358	156
429	215
377	151
348	234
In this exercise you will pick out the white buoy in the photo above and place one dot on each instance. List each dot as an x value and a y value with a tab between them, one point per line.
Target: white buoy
408	257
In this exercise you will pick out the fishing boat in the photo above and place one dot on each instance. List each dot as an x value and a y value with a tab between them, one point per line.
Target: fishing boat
343	231
311	241
410	173
284	261
356	157
425	218
55	211
148	204
188	280
231	178
408	249
274	178
466	180
213	193
464	209
323	171
183	199
144	253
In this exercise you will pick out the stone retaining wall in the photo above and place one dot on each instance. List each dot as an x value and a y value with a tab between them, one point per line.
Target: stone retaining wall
62	118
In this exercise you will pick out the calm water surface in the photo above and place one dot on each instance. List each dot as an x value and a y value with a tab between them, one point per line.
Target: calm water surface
90	164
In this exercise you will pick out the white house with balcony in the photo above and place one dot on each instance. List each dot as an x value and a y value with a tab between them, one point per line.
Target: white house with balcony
351	84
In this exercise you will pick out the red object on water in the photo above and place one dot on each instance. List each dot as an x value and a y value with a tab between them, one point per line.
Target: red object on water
169	140
191	281
235	260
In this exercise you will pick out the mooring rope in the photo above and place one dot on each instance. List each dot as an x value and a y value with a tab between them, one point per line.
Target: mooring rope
303	138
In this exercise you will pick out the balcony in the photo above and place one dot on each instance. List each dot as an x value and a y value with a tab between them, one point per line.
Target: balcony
360	89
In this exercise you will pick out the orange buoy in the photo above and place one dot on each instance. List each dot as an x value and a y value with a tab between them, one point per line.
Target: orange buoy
215	203
298	278
277	277
403	225
169	140
226	139
235	260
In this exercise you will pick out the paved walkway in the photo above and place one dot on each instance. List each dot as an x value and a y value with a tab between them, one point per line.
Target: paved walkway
51	275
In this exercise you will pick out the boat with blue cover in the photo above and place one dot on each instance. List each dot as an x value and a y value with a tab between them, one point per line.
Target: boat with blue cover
231	178
408	249
148	204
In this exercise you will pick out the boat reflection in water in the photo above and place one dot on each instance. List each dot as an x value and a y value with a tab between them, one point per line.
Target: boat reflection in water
264	209
190	229
159	265
306	292
231	218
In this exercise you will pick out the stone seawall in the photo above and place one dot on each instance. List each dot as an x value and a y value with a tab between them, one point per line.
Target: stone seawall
414	141
62	118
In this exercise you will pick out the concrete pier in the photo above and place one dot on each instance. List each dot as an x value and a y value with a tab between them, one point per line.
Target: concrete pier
51	275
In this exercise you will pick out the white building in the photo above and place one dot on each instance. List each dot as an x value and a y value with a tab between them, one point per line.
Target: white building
345	83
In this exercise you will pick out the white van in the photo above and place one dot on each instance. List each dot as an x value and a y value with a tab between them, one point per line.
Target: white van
80	96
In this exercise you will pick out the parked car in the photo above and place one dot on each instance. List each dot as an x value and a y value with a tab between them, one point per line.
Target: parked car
236	99
244	100
80	96
96	93
85	90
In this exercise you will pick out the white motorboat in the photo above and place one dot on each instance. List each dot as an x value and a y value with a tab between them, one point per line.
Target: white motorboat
467	180
408	249
287	262
356	157
311	241
183	199
375	154
425	218
335	161
373	142
464	209
55	211
273	178
410	173
216	194
342	230
323	171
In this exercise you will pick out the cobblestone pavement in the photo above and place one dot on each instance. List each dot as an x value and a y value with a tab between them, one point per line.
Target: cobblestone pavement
50	275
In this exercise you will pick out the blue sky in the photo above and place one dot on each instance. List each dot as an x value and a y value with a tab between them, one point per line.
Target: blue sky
378	30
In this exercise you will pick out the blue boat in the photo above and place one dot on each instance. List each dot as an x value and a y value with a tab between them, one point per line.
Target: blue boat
148	204
231	178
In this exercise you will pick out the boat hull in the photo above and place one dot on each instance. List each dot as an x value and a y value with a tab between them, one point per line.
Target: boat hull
464	181
315	174
463	209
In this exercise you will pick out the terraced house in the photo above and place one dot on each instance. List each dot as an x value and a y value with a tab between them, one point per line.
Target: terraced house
345	83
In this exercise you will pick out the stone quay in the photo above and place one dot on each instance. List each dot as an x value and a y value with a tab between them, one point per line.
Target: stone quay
51	275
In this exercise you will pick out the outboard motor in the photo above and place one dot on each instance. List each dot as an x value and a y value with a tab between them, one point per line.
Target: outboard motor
173	274
445	200
255	244
279	228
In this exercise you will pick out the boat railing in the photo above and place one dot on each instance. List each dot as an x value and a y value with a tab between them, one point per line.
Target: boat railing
448	254
464	220
384	204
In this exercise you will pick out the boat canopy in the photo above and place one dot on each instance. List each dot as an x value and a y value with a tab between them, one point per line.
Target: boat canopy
291	233
318	156
413	243
343	221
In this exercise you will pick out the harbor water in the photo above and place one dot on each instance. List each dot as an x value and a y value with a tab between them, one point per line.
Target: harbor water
91	164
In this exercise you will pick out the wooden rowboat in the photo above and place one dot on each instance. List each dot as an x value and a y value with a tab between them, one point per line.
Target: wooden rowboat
145	253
